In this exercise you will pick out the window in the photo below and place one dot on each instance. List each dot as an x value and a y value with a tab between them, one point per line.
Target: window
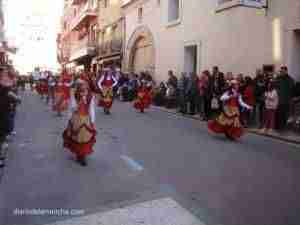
94	4
94	33
224	1
173	10
106	3
140	15
227	4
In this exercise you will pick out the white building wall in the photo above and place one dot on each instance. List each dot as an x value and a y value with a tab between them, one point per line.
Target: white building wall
239	39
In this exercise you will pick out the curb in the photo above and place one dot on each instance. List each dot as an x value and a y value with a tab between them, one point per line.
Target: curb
252	131
278	137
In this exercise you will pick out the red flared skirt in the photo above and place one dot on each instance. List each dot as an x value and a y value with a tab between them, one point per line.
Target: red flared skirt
79	149
230	131
61	103
105	104
143	102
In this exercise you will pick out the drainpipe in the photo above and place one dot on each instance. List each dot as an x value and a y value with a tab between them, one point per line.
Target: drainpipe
123	44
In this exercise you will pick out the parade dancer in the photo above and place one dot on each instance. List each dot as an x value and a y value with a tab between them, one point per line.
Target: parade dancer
67	83
38	87
143	100
228	122
51	88
106	83
60	99
43	85
80	135
62	94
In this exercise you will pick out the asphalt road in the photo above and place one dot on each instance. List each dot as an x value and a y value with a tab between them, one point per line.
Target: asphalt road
142	157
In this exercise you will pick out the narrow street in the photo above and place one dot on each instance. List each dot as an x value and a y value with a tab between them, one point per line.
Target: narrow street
143	157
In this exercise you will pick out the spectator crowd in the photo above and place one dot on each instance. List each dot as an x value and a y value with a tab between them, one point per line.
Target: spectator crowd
270	94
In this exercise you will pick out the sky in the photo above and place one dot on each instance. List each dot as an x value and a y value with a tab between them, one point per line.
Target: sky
32	26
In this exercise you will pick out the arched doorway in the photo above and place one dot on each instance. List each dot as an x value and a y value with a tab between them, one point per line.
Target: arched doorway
141	51
141	55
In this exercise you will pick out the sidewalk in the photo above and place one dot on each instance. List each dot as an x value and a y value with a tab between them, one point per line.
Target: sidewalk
288	136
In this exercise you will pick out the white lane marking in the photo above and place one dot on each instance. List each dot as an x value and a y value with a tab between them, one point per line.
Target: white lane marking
132	163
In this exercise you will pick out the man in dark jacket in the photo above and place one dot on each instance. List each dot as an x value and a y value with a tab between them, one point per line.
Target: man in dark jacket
182	93
260	88
192	92
285	92
172	79
7	98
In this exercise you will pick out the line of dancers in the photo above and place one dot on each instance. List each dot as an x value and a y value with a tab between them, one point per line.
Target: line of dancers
80	97
80	134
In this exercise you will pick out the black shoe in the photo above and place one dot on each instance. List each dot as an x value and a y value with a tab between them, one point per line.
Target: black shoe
2	164
82	161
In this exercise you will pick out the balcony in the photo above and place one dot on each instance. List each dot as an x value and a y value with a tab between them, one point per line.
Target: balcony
75	2
87	12
294	23
83	48
111	47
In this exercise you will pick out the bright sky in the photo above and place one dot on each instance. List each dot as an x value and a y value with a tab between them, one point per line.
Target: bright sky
32	25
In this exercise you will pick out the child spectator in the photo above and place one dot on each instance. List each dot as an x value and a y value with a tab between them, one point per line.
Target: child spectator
271	105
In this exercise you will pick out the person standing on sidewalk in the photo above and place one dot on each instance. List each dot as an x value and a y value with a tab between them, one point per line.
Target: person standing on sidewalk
182	92
285	92
260	87
192	92
203	89
249	99
172	79
80	135
271	104
7	98
13	104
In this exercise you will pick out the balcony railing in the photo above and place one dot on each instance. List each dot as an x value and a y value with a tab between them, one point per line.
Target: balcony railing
83	48
110	47
87	11
75	2
295	17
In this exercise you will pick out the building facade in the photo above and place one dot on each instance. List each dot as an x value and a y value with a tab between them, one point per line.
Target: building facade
239	36
111	33
77	42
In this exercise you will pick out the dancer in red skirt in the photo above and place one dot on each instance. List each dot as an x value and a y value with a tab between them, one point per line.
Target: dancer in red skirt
106	82
60	99
80	134
228	122
143	100
43	85
62	94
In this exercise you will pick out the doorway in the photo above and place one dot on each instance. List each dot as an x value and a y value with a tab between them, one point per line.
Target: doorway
190	59
294	56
